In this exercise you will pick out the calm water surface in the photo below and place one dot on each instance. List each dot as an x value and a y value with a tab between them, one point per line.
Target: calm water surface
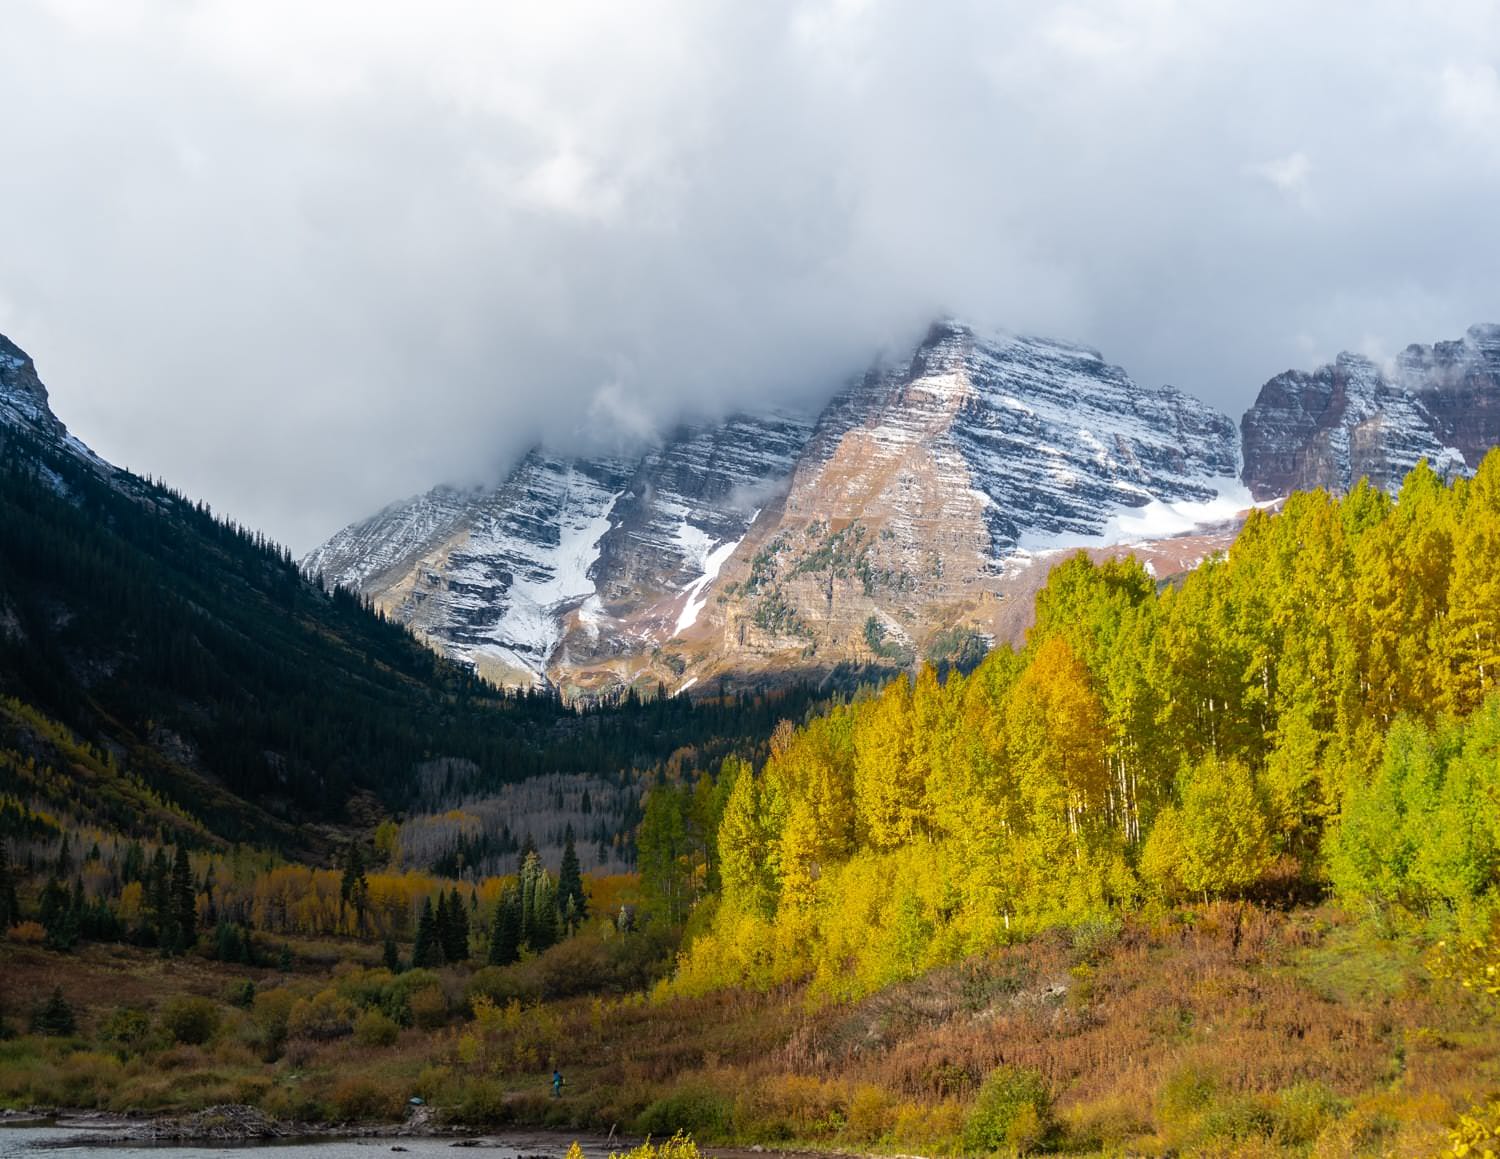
29	1143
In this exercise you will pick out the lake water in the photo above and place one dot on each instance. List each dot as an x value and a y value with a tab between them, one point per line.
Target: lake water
40	1142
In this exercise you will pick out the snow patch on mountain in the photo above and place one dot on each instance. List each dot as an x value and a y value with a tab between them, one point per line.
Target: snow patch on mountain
697	591
1155	520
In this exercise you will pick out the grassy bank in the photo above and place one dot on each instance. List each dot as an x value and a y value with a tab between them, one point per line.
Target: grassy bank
1222	1029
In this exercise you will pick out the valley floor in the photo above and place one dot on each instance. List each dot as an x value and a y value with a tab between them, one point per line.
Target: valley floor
1221	1029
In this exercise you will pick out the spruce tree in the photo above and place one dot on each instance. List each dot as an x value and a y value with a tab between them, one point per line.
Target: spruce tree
427	950
505	931
572	902
391	955
55	912
184	904
159	896
54	1017
455	930
226	942
354	889
10	906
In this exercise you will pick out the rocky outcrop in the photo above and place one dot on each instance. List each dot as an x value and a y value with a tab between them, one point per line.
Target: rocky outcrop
1354	419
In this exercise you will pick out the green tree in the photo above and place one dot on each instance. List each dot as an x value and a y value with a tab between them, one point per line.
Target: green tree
572	901
184	904
1221	833
505	929
662	848
354	889
10	907
427	949
54	1017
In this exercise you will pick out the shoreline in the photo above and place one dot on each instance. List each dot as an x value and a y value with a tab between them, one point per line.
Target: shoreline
229	1126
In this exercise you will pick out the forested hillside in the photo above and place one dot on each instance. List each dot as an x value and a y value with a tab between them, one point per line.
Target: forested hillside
1315	710
1207	867
168	674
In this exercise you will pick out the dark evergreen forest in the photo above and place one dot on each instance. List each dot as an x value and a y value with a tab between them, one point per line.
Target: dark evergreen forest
194	657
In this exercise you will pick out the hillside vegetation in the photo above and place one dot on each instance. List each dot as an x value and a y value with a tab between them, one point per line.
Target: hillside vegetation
1208	867
1313	711
202	687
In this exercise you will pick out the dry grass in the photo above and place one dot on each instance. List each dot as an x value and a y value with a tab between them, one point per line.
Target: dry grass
1220	1030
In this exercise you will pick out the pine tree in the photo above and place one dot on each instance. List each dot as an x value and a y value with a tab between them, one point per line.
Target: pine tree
184	903
453	924
427	950
54	911
505	930
10	907
392	956
159	897
226	942
54	1017
571	899
354	889
538	904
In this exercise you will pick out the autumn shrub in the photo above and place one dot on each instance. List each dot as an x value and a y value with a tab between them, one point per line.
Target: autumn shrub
697	1109
326	1015
929	1127
872	1114
1237	1119
127	1029
679	1146
392	993
429	1007
362	1099
432	1082
1013	1111
376	1028
84	1078
1477	1132
1187	1093
265	1031
788	1106
296	1102
497	984
478	1102
1305	1111
189	1019
1107	1125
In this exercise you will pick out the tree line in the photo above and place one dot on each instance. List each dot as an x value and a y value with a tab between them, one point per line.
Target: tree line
1315	709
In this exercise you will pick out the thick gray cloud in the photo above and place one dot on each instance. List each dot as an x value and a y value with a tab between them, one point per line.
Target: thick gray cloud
303	259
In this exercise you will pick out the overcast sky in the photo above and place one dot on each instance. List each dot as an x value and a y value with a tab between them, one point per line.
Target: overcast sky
303	259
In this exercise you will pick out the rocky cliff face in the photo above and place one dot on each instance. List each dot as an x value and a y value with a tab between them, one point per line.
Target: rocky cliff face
888	529
928	487
1351	419
24	406
570	563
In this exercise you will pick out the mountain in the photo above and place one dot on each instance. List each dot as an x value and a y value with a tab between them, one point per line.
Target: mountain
890	526
928	488
575	560
1354	418
165	672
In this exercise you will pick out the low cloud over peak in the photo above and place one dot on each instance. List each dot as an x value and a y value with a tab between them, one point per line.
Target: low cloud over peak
304	259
